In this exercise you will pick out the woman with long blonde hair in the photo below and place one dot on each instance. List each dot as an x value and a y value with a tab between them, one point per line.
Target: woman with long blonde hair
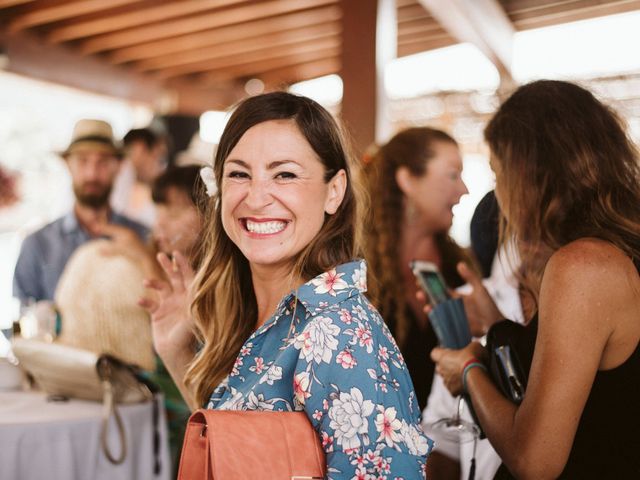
568	185
414	182
278	304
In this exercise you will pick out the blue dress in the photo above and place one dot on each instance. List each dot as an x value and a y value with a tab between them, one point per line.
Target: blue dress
327	351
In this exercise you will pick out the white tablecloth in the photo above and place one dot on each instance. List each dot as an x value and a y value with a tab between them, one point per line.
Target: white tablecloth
61	440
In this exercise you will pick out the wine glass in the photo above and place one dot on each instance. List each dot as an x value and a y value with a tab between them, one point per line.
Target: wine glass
455	428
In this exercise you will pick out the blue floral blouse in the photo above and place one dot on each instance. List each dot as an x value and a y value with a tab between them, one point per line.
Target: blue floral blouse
327	351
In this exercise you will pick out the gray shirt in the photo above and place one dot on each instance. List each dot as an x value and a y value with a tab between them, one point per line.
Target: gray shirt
45	253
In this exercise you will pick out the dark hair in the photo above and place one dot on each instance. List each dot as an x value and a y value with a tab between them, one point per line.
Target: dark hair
484	229
185	179
224	306
412	148
145	135
565	169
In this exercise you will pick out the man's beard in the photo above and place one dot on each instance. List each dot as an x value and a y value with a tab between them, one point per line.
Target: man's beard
92	200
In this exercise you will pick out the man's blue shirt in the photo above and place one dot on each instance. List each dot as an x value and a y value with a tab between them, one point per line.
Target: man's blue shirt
45	253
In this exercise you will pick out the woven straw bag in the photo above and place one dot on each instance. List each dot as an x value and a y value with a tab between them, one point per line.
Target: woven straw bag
97	298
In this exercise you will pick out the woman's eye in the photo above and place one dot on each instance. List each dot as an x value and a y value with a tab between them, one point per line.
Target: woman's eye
286	175
237	174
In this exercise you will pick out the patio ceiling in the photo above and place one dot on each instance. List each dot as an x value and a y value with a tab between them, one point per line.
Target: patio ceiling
204	51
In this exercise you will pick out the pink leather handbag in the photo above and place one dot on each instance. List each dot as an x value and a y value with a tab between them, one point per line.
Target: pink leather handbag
252	445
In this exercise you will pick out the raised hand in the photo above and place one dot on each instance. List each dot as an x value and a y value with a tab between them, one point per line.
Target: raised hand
450	364
168	306
480	308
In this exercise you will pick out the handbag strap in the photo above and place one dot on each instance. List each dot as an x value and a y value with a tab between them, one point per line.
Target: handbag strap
109	410
105	365
105	370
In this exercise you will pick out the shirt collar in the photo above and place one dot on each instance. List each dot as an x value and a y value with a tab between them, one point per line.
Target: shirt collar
70	223
338	284
327	289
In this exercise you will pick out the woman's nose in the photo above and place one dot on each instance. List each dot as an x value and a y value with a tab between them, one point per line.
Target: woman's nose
258	194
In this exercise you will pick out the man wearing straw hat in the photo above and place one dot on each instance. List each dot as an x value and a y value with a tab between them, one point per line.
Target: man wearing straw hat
93	159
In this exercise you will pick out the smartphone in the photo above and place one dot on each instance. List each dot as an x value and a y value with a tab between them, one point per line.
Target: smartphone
431	281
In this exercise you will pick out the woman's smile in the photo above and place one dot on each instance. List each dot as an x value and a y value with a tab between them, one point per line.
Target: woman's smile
263	227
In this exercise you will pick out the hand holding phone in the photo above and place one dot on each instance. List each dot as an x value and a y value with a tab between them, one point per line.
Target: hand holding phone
431	281
447	317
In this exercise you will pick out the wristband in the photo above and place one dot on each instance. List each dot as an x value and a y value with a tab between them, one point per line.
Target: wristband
467	367
469	362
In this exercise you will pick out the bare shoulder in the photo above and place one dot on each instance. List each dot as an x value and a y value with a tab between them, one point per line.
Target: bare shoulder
589	256
592	273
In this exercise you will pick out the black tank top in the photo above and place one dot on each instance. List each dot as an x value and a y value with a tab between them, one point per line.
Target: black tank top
607	441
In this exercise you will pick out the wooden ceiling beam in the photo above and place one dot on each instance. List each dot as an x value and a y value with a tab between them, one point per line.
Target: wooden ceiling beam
262	56
411	48
525	16
54	13
190	99
482	23
425	37
11	3
412	12
243	47
405	3
201	22
419	26
134	18
255	69
216	37
300	72
30	57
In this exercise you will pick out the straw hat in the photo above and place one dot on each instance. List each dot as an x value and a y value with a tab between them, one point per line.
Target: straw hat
97	298
94	134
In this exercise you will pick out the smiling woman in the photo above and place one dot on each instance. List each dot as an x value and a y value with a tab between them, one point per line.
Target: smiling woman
278	301
275	197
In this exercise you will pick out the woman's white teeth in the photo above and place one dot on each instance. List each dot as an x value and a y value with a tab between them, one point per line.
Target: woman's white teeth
265	227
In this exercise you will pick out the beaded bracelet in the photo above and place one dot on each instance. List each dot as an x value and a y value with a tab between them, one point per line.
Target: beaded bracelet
474	362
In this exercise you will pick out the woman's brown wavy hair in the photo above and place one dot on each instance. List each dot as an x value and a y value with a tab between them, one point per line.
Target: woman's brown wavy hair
411	148
224	305
565	169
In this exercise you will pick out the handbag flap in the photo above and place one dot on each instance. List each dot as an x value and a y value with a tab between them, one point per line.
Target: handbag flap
194	458
71	372
261	445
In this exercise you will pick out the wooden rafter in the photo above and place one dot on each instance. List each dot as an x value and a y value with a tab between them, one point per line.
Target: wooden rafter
421	26
529	14
261	43
62	11
201	22
11	3
135	18
256	57
226	35
301	71
254	69
412	47
412	12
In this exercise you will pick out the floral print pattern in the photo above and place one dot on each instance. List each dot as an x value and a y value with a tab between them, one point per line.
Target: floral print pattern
327	352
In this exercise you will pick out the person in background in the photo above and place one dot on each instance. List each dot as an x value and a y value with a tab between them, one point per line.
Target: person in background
413	182
278	300
452	459
145	154
176	195
568	186
93	159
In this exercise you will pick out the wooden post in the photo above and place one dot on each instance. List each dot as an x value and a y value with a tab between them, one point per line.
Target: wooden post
368	43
